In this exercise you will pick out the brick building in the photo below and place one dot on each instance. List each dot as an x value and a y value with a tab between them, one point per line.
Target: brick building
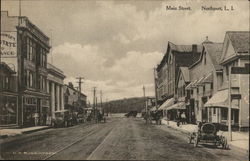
176	56
26	48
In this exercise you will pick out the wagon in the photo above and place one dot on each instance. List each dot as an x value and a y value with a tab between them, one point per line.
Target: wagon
208	134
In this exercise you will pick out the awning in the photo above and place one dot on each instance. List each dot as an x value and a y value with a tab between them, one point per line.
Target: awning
192	84
166	104
220	99
178	106
208	78
199	82
153	108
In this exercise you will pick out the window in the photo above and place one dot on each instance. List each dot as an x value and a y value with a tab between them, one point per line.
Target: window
192	91
31	79
198	90
214	111
38	81
212	85
224	113
204	89
31	49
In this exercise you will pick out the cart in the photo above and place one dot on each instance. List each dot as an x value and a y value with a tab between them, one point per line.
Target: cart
207	133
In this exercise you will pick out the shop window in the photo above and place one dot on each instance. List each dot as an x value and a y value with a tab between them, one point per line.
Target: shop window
8	110
224	113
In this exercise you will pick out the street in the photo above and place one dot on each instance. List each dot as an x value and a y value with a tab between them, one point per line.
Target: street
118	139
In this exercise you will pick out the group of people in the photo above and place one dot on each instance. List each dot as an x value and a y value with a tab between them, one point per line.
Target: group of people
181	118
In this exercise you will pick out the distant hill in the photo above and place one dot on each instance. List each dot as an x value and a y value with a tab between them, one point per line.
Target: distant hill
124	105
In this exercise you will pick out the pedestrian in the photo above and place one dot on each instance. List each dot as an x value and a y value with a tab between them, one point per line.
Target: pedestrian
183	118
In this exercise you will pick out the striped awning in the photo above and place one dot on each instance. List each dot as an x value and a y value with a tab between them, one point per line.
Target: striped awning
153	108
220	99
166	104
208	78
177	106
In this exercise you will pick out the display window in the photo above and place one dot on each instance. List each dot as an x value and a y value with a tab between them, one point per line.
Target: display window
8	110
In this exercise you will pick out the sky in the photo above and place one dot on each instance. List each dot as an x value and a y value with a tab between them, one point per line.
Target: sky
115	45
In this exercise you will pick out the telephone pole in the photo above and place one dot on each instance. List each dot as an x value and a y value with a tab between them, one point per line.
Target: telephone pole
101	100
156	97
94	90
80	90
80	83
145	99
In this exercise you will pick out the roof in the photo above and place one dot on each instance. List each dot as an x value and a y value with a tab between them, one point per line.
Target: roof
181	49
215	52
185	73
240	41
184	48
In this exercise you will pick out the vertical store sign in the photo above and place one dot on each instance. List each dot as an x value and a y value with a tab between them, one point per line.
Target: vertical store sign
8	44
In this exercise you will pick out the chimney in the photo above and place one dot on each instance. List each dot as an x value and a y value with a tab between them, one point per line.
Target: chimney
194	48
71	85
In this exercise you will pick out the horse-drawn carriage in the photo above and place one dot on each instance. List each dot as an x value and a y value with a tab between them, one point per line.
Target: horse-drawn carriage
131	114
100	116
153	116
207	133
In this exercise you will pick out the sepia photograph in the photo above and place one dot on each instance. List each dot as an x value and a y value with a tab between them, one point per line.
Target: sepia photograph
125	80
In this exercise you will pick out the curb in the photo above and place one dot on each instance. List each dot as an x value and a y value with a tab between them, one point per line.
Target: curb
35	130
3	136
24	132
232	147
238	149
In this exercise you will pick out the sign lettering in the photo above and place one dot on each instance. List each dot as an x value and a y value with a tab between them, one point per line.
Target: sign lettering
8	44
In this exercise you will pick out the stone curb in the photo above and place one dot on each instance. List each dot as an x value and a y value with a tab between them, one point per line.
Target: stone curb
232	147
24	132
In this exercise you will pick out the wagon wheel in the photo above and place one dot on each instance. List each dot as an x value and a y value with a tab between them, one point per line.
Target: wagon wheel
196	141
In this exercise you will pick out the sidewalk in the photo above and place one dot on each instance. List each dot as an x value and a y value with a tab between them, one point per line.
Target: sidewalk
13	132
240	140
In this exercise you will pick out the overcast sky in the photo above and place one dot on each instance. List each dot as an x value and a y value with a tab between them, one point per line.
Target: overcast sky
116	44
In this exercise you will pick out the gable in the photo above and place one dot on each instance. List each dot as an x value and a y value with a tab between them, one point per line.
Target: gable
229	51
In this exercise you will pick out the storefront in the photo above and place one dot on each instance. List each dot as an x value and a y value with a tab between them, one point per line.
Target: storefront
8	109
35	110
218	108
176	110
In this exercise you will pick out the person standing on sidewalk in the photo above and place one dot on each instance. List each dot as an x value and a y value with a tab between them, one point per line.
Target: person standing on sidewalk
183	118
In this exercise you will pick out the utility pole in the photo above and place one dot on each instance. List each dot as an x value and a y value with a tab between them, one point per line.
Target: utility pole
80	83
230	106
20	8
145	103
80	90
101	101
156	96
94	90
